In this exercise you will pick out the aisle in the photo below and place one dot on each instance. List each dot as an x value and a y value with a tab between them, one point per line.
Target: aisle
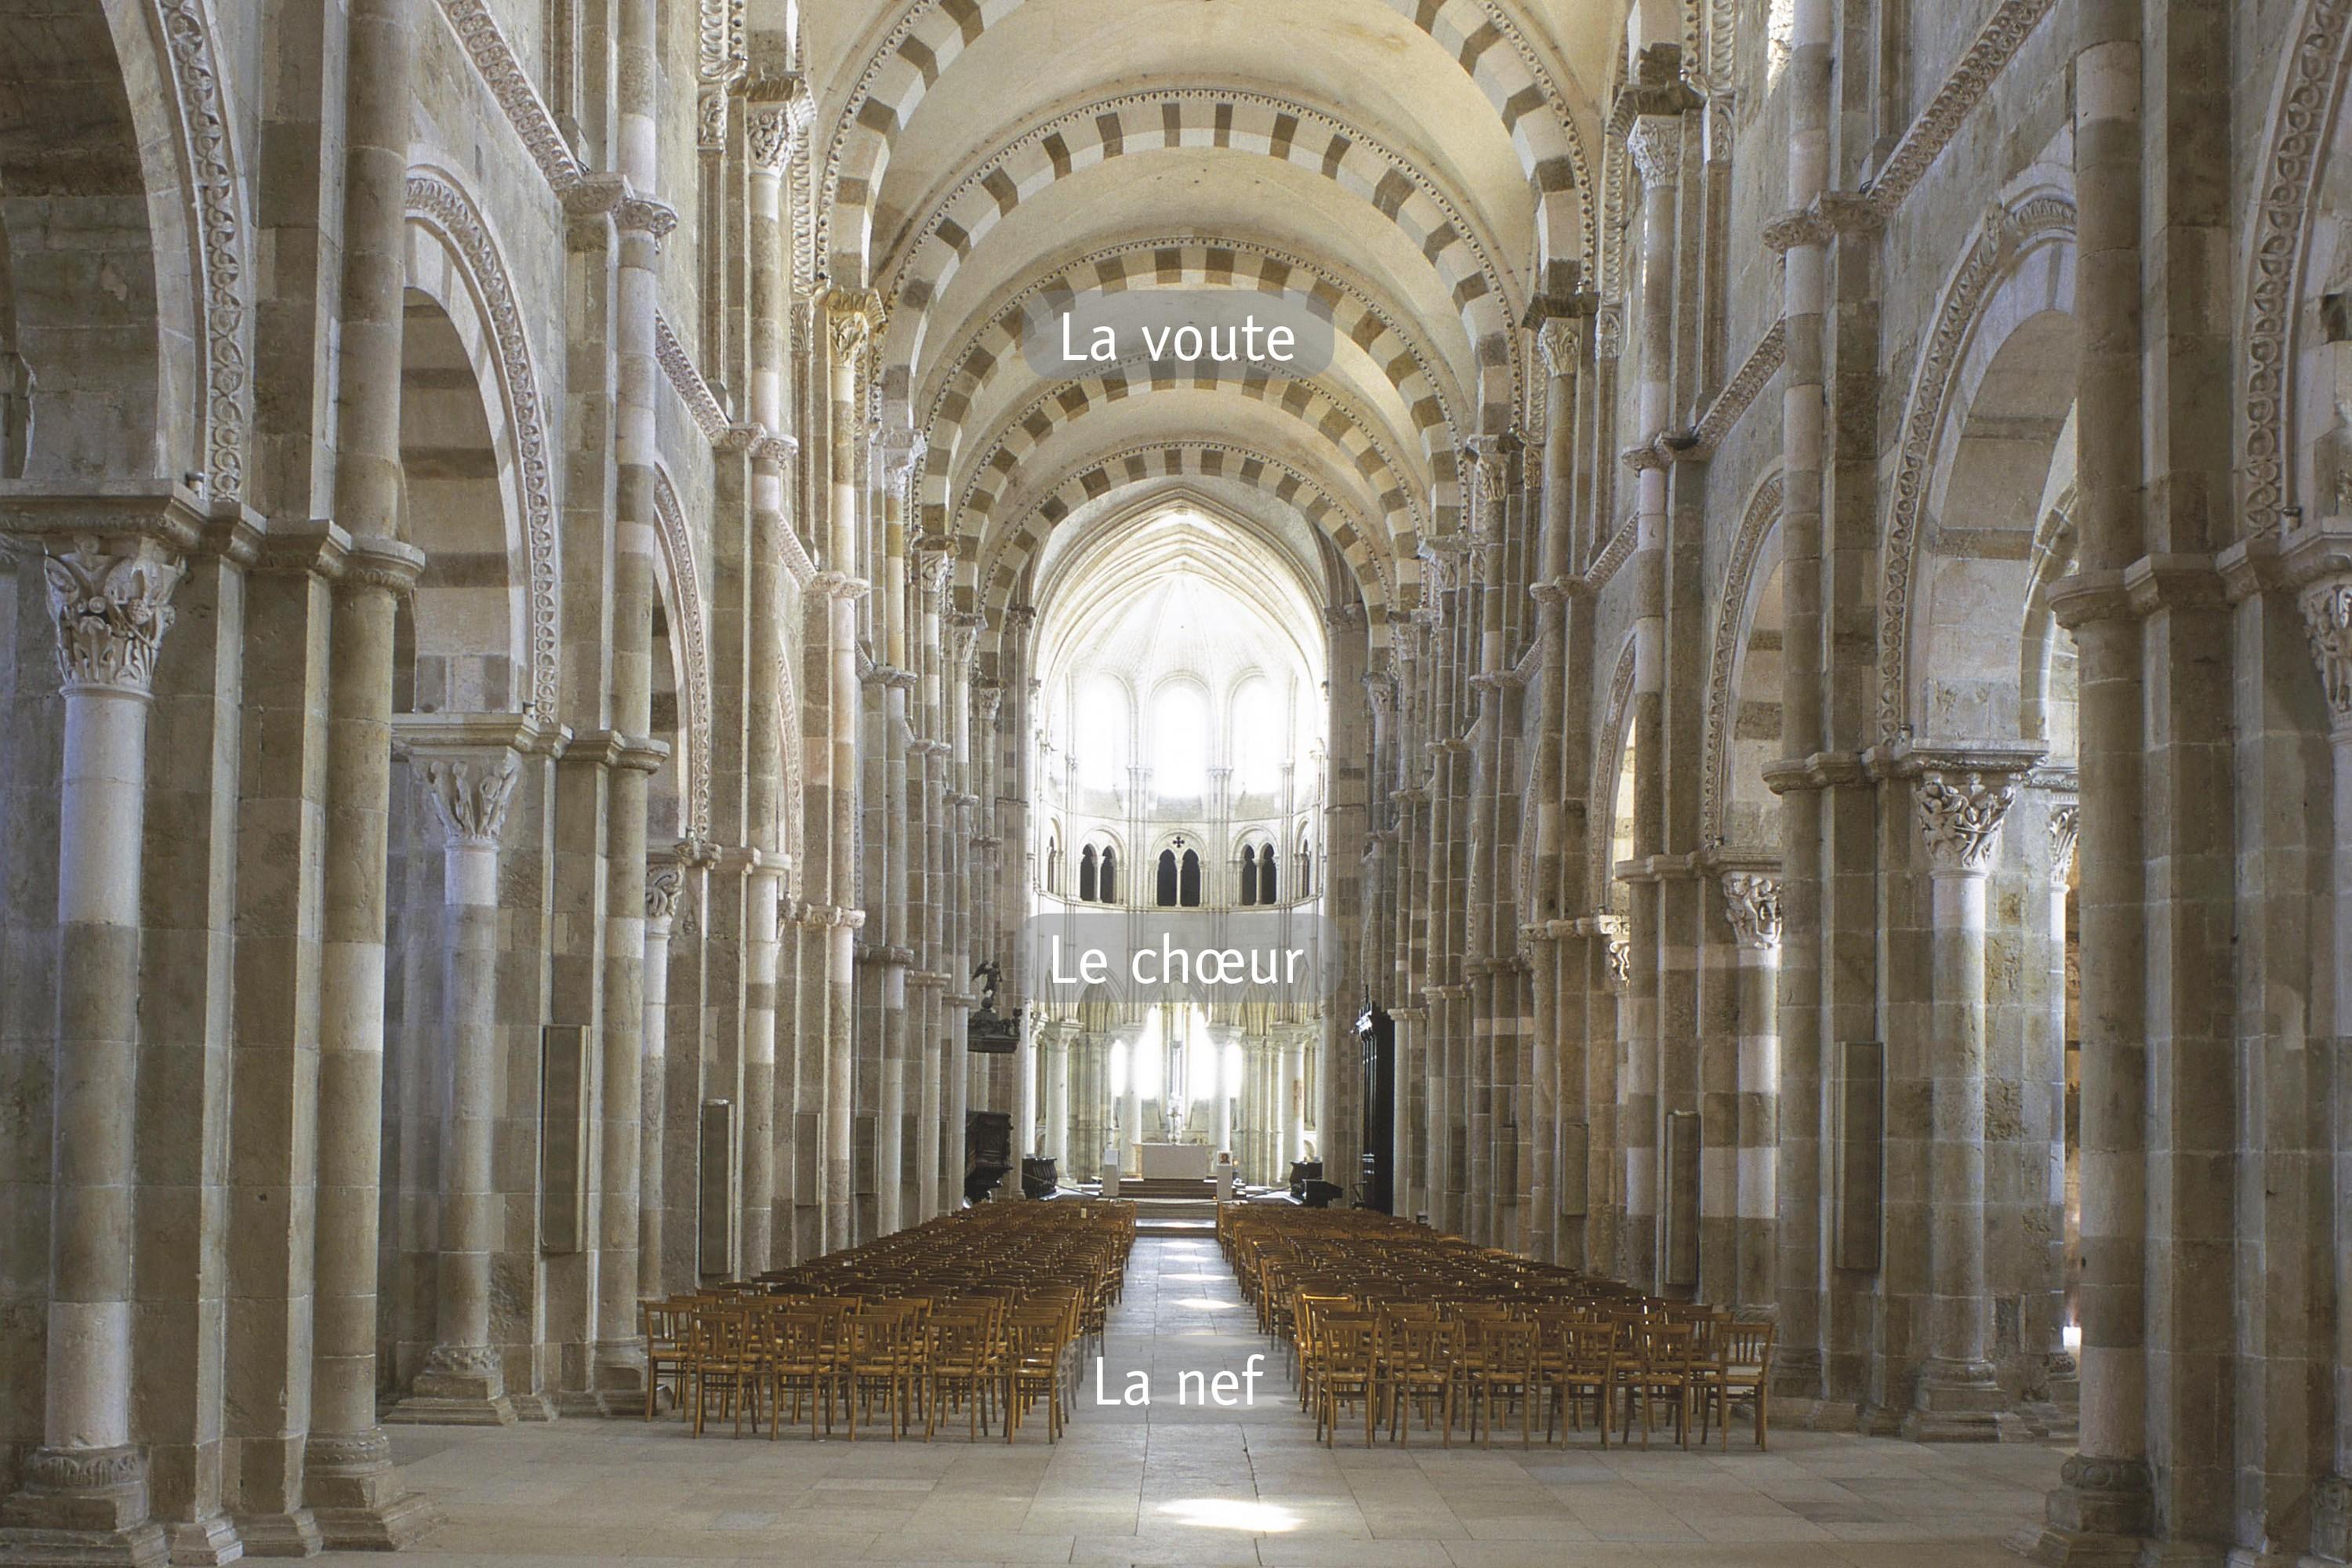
1202	1486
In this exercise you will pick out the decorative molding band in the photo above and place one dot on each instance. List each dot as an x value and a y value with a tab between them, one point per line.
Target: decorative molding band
447	211
511	86
1995	45
2279	249
688	381
1715	772
1739	395
2004	234
220	221
686	589
1616	554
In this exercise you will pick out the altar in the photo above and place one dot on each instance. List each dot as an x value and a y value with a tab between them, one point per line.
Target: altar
1174	1162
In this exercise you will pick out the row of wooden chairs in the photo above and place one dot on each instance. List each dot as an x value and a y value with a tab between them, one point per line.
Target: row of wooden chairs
1397	1321
983	1317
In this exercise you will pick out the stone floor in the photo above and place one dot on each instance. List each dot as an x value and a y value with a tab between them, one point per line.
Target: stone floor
1200	1486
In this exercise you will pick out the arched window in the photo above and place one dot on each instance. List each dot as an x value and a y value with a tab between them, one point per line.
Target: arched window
1109	882
1052	865
1258	736
1167	889
1265	888
1305	863
1189	887
1179	742
1087	875
1102	734
1249	875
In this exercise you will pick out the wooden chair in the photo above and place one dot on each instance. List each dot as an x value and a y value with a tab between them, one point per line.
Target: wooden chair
1586	1367
1417	1366
1500	1363
962	1362
1742	1368
1665	1366
874	1366
1347	1371
1032	1370
665	1326
722	1360
804	1364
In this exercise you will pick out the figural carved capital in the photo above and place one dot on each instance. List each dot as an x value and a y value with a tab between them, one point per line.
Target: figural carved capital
1558	341
112	606
470	792
2327	620
1752	902
1962	817
2065	828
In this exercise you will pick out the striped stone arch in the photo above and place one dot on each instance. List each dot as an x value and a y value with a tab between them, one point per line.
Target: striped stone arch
1412	370
999	571
1321	412
1255	123
1478	34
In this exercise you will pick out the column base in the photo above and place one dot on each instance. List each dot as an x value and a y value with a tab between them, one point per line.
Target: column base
533	1406
1959	1403
204	1544
619	1374
2095	1518
294	1534
461	1385
356	1494
83	1506
2331	1521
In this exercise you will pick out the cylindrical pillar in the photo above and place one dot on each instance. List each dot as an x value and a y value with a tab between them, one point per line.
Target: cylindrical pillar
469	785
665	882
1752	902
1960	816
112	603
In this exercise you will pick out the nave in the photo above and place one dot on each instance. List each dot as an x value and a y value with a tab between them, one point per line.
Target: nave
1206	1487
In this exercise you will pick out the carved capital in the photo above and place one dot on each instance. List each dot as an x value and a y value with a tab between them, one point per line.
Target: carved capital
1618	933
1656	140
853	318
2331	1518
1752	902
2326	608
665	885
112	602
1559	340
1962	817
470	792
2065	828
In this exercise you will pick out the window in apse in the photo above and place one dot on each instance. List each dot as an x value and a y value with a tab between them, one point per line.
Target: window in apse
1258	736
1179	743
1101	735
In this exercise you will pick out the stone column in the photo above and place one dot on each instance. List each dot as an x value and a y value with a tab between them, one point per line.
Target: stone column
468	768
853	317
2064	827
2327	606
2105	1499
1290	1088
1957	1398
85	1489
1057	1100
354	1492
1752	903
1799	1281
665	882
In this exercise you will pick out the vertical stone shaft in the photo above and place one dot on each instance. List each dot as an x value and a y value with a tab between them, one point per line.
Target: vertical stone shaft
110	600
1655	142
1801	1174
351	1486
663	883
1961	817
468	779
2102	1499
1753	903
